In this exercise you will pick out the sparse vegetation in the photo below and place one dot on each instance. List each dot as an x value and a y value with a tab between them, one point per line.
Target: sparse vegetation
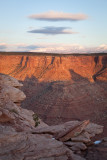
14	111
36	119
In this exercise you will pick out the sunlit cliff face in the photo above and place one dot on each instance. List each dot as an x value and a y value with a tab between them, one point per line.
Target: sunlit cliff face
60	88
54	68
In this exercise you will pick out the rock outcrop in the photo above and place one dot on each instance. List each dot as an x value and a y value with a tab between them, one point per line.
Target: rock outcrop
54	68
20	140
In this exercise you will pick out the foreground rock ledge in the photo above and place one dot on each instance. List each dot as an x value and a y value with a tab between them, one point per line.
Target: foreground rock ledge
20	140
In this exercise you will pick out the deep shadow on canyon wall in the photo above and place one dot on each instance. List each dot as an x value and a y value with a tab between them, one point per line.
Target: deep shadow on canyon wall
61	88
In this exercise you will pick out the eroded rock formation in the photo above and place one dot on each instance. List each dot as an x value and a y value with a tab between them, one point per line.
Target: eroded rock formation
54	68
20	140
62	88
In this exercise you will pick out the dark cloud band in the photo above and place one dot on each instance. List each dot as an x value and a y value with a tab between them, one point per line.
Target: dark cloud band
53	30
3	46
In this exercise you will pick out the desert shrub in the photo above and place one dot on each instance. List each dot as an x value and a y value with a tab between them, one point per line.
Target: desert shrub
36	119
14	111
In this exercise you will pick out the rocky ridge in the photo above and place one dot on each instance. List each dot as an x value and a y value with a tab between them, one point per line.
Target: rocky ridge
21	140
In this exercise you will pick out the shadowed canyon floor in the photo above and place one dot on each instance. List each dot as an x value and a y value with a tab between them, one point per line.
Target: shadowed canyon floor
62	88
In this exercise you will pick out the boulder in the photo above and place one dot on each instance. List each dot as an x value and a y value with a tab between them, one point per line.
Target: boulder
57	130
9	81
14	94
94	129
90	130
75	131
83	137
76	146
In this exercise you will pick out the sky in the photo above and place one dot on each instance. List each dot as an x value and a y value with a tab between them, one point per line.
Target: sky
61	26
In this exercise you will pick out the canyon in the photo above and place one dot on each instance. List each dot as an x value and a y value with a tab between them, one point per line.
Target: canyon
24	136
61	88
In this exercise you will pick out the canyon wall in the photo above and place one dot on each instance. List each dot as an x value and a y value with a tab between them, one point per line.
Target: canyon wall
61	88
54	68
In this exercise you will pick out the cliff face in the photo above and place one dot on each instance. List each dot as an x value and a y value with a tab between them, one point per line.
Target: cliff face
54	68
60	89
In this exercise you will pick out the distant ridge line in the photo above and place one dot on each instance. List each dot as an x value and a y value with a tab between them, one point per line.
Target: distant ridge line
51	54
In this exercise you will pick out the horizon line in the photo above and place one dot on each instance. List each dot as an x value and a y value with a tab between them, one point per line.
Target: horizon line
50	54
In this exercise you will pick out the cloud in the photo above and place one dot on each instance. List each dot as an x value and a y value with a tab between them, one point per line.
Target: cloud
53	30
70	48
59	48
3	46
58	16
55	48
28	47
102	48
20	47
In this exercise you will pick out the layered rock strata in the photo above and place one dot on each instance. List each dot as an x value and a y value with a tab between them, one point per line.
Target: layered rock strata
61	88
54	68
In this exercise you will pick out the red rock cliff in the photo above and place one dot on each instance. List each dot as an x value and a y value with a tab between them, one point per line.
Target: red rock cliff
54	68
58	88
